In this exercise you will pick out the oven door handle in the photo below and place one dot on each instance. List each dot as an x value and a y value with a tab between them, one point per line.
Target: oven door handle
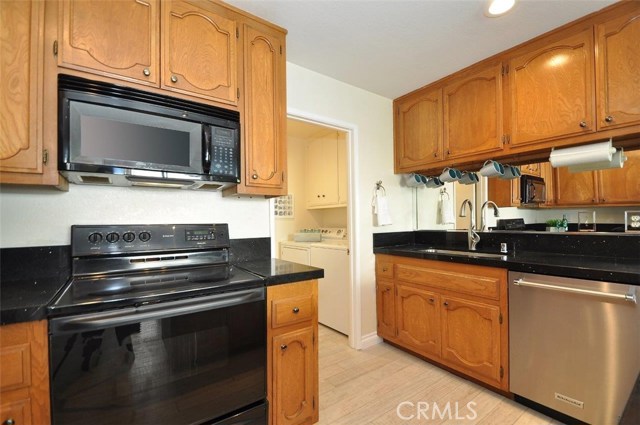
125	316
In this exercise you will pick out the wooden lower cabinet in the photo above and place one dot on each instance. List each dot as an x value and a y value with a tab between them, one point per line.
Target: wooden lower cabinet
418	318
24	374
292	353
471	337
454	314
386	308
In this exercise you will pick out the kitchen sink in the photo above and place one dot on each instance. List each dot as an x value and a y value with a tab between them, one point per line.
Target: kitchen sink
463	253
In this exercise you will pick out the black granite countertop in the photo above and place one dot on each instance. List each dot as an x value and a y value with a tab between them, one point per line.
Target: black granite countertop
620	270
32	277
29	280
277	272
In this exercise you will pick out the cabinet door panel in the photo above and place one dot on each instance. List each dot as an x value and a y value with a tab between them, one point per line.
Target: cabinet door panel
21	119
552	90
574	188
473	114
621	185
265	149
293	355
418	319
115	38
471	337
618	71
418	130
199	52
385	309
322	167
19	411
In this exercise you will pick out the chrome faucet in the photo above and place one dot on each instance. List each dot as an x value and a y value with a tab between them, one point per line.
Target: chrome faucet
496	213
472	237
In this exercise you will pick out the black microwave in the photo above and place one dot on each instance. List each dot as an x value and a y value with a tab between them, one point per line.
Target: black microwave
115	135
532	190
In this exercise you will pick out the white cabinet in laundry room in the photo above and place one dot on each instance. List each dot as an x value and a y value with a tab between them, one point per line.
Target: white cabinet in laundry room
326	178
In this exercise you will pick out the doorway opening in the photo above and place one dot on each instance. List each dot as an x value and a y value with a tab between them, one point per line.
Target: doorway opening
318	207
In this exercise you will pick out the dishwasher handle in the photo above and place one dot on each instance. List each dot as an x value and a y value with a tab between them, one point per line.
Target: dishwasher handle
629	296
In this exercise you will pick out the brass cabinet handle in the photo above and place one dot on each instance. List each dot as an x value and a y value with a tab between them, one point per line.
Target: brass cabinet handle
283	347
174	79
446	304
9	421
146	72
608	118
435	154
254	176
583	124
431	300
296	310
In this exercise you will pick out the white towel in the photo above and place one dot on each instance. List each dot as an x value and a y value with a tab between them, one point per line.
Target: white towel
445	211
381	209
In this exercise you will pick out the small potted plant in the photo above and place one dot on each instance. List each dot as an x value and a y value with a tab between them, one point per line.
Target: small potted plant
553	225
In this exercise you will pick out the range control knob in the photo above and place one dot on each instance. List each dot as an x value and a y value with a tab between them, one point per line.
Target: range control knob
95	238
144	236
129	237
112	237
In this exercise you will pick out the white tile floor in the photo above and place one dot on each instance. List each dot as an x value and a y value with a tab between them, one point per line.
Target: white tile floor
385	386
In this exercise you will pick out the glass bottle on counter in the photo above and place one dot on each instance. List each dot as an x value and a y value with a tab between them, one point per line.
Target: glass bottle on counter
564	224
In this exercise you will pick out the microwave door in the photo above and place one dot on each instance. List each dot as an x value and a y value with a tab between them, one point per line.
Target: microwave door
110	137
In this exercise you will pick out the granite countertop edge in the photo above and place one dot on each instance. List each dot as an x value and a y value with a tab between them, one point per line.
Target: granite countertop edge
625	271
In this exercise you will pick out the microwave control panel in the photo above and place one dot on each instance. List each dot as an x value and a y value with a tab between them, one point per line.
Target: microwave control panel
225	154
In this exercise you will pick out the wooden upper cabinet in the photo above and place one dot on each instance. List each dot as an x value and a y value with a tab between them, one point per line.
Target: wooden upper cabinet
418	129
118	39
574	188
552	90
621	185
199	51
618	53
264	126
473	114
20	87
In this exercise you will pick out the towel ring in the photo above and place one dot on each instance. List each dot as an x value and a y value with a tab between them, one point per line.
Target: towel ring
443	192
379	186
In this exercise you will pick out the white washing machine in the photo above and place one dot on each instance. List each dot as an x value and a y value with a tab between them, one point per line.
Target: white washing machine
334	290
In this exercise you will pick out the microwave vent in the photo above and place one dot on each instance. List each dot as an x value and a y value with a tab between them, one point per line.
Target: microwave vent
94	179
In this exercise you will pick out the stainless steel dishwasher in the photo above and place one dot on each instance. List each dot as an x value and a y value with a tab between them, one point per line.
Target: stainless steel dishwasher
574	344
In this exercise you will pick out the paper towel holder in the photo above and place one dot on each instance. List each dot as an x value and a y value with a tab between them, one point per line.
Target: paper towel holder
595	155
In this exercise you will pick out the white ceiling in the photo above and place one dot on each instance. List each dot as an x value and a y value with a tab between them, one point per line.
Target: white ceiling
391	47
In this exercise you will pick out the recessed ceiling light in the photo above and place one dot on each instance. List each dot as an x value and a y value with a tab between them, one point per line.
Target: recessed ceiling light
498	7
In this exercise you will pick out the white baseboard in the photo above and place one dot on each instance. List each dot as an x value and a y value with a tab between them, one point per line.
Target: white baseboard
369	340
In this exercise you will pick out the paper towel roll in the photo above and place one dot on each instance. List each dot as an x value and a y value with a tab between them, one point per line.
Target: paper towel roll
596	152
617	161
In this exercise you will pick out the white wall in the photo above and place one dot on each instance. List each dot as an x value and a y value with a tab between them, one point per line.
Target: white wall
315	94
37	217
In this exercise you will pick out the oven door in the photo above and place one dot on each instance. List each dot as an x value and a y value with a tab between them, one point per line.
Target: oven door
183	362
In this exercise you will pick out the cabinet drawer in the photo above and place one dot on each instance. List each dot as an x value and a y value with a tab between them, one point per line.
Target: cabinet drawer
19	411
458	281
292	310
384	269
